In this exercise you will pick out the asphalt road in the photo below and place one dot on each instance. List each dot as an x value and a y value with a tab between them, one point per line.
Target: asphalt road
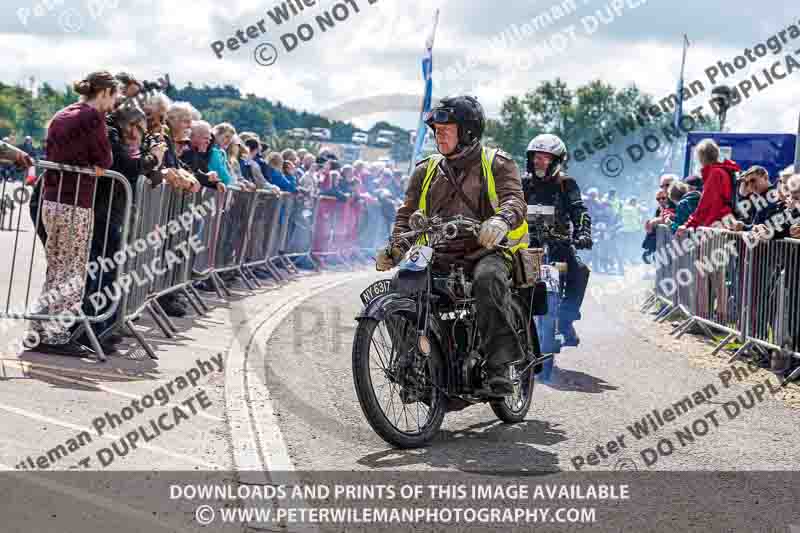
613	380
284	401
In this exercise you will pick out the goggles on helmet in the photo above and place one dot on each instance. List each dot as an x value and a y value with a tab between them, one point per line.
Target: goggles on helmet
442	115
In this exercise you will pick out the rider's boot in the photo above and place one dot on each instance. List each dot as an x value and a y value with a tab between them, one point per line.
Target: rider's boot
503	352
500	385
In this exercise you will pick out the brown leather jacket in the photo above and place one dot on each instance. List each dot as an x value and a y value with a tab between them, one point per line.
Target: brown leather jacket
444	201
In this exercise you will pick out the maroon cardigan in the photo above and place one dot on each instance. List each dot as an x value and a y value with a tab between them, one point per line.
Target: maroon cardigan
77	136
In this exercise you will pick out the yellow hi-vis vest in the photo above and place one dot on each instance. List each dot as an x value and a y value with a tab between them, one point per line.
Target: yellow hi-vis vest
517	238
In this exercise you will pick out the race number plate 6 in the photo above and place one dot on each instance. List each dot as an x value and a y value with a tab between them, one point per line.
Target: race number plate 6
379	288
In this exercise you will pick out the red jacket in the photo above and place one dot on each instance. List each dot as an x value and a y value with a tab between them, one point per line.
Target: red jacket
715	202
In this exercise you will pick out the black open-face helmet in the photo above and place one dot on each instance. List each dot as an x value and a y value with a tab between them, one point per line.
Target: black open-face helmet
466	112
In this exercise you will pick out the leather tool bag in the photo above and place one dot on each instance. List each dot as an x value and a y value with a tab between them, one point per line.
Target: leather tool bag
526	267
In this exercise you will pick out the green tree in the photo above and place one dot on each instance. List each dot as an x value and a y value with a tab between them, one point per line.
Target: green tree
550	107
22	114
595	120
514	129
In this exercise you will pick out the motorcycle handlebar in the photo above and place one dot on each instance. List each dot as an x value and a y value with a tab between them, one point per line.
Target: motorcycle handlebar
449	228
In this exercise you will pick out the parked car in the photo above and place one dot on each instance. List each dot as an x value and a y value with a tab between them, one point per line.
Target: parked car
321	134
299	133
384	141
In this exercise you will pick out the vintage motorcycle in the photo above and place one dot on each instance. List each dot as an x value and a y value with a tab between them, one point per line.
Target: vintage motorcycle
417	350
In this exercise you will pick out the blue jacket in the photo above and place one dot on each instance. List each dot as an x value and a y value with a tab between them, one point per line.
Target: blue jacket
247	172
284	182
216	163
262	164
685	208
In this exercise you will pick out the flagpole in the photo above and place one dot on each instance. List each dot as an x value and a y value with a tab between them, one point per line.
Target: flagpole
427	74
679	115
679	107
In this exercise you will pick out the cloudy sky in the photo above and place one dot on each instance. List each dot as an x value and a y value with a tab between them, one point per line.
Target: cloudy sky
364	66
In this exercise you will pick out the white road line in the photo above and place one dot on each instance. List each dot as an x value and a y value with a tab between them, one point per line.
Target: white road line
259	455
82	371
107	436
109	390
254	428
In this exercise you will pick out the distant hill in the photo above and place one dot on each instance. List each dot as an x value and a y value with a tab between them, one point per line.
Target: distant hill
22	114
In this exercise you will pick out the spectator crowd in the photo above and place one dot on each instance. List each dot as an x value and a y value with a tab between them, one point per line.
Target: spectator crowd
748	203
616	230
726	197
117	125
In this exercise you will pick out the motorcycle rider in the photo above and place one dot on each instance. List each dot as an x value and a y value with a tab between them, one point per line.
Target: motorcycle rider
548	185
468	179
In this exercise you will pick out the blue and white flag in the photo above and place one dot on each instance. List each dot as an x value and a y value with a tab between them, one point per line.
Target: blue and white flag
678	109
427	72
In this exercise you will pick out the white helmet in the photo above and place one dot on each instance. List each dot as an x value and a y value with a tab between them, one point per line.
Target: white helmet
549	144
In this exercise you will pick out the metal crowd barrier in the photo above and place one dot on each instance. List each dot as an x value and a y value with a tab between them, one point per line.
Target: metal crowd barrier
208	230
234	236
750	292
326	220
263	235
720	281
301	233
772	297
666	268
158	236
8	203
277	257
371	232
239	231
51	309
340	232
175	204
347	239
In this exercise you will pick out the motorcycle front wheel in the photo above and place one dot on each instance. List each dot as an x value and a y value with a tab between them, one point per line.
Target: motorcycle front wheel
401	391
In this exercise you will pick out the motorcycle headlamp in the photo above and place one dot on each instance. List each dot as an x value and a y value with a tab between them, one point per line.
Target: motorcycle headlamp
418	221
450	231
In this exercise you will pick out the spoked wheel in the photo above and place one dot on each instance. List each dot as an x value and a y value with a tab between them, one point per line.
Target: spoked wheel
399	389
513	408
